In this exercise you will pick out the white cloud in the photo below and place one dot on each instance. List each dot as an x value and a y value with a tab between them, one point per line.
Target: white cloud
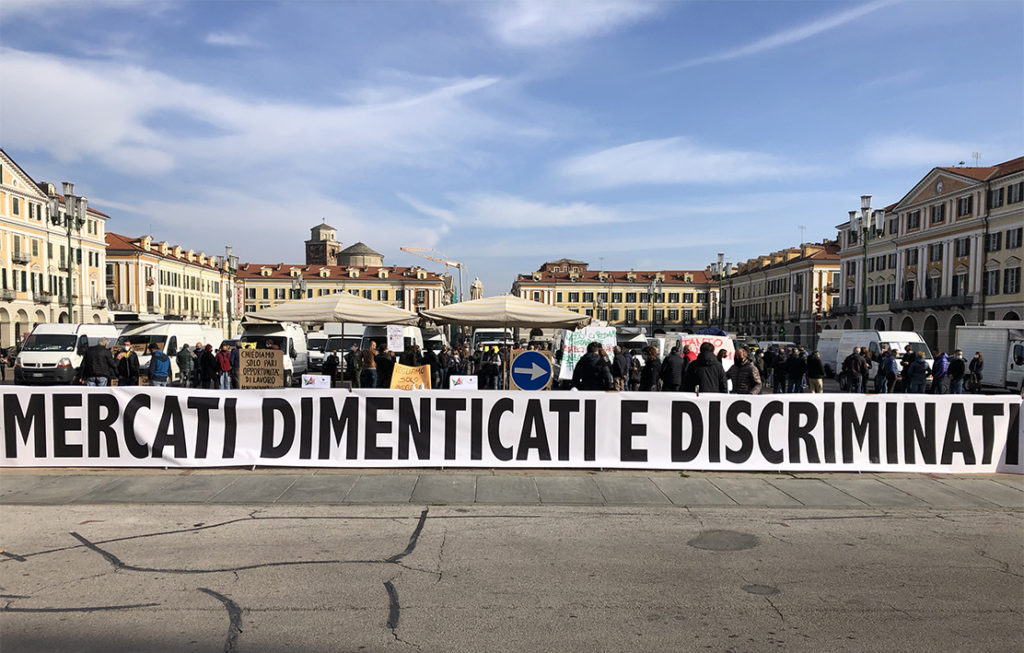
113	118
530	23
911	150
510	212
228	39
786	37
673	161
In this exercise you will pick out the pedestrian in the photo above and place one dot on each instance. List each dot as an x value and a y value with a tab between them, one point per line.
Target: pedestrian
917	374
236	364
976	367
779	372
3	364
330	366
186	361
865	369
209	370
909	356
128	366
851	372
796	367
159	365
758	360
98	365
815	372
940	371
957	370
368	366
888	370
705	374
650	375
197	373
635	372
744	375
877	358
352	363
620	369
589	373
224	368
385	367
672	369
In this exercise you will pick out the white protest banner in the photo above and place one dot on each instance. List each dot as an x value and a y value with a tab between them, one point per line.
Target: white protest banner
181	427
395	341
575	345
462	382
316	381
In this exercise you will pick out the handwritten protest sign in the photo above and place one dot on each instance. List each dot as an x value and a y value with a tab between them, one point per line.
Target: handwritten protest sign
260	368
395	341
407	377
575	345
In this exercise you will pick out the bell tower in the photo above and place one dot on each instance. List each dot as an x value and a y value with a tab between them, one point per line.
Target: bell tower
322	247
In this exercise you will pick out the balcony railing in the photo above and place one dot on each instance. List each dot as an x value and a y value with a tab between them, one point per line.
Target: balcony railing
125	308
962	301
63	300
43	297
63	266
20	257
8	294
845	309
99	302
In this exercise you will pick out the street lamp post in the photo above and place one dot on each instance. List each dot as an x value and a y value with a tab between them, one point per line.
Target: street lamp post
231	264
75	211
652	289
867	224
718	270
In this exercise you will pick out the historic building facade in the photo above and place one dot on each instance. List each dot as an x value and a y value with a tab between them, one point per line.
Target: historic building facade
38	251
669	300
784	295
154	279
947	254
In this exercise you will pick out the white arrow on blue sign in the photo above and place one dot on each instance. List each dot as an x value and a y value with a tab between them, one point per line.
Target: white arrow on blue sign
531	370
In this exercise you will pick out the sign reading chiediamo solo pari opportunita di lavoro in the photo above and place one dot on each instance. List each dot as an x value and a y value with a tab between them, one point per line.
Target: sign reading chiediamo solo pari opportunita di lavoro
260	368
157	427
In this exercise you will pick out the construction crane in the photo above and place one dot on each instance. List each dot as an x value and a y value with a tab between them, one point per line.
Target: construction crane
438	257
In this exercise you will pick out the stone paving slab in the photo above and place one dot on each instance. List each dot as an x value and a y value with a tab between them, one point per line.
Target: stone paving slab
997	493
127	490
255	489
693	492
319	489
876	493
815	492
569	490
443	489
754	492
631	490
59	489
193	488
509	490
938	495
382	489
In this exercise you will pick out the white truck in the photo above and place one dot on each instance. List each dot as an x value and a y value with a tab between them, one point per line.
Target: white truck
1001	344
173	335
411	335
52	353
836	344
286	336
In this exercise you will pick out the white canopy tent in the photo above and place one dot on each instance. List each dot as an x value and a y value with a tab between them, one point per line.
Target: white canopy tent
506	311
339	307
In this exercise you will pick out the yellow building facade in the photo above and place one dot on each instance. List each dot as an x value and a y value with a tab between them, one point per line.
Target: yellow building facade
36	255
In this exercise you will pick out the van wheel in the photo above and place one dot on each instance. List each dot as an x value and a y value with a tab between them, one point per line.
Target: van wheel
287	379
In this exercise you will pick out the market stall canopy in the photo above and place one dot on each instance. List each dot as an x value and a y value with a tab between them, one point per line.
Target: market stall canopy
506	311
340	307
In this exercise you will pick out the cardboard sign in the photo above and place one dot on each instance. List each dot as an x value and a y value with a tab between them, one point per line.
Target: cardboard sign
260	368
395	341
316	381
575	345
406	377
458	382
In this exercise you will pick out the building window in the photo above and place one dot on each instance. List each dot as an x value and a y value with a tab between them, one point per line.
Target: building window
851	237
687	315
421	297
892	261
250	293
558	298
991	283
382	295
959	285
631	298
914	220
938	213
630	316
15	205
995	198
871	265
909	290
400	294
994	242
964	206
911	257
963	247
659	316
643	315
614	315
588	297
702	315
266	293
602	297
367	294
933	287
702	297
935	253
673	298
645	298
280	293
616	298
687	297
673	315
894	227
1011	281
1013	238
1015	193
574	297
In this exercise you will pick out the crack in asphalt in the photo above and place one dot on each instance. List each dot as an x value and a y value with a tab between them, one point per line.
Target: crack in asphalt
394	612
234	618
775	607
413	539
1005	565
91	608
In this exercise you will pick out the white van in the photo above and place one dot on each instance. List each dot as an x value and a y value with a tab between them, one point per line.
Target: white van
836	344
52	353
492	336
286	336
172	335
411	335
316	345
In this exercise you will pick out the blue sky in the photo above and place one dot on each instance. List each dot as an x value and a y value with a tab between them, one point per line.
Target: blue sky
629	134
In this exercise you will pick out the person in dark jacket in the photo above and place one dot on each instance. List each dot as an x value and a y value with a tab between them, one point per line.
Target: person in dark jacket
852	367
128	366
209	370
918	372
705	374
98	365
620	369
796	367
588	373
650	375
330	366
957	371
385	367
159	365
672	370
815	372
746	380
779	372
976	367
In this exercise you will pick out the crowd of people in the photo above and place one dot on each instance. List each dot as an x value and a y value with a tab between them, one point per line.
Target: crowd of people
198	367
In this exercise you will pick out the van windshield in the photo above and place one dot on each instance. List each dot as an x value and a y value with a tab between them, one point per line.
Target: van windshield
50	342
266	342
901	348
317	343
341	344
142	341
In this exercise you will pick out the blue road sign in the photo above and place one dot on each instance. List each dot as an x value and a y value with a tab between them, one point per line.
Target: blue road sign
531	370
